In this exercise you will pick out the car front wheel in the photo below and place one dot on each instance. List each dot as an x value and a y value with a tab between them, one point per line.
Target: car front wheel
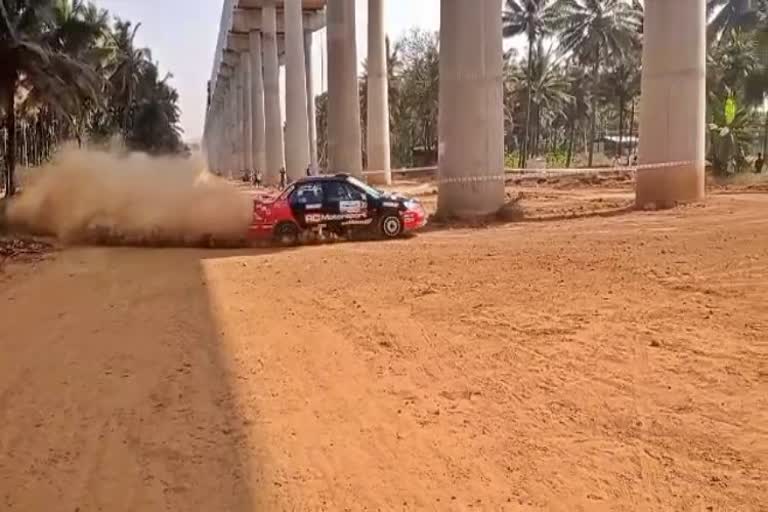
391	226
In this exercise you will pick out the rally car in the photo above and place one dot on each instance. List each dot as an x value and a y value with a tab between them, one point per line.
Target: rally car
339	205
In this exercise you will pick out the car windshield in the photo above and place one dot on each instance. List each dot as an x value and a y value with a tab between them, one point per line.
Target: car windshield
366	187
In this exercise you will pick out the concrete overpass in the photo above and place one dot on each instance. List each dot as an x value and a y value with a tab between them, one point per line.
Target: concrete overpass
243	131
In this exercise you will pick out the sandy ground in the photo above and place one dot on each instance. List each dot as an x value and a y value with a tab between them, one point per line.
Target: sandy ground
603	364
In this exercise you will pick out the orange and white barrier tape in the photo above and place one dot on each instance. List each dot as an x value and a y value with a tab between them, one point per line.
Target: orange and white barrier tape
560	173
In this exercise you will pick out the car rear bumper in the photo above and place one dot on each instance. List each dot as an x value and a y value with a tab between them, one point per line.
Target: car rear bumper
260	231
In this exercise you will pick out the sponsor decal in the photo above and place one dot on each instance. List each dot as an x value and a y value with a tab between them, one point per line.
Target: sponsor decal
390	204
314	206
357	222
316	218
352	206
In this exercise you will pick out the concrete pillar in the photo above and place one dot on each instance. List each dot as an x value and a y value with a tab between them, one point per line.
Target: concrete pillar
297	129
243	113
245	64
311	117
210	136
344	139
232	106
672	118
378	97
224	125
229	128
237	105
234	161
257	103
273	121
471	124
221	137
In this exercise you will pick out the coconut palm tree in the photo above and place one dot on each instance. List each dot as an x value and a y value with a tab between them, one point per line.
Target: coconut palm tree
534	18
732	63
125	69
597	32
36	68
577	108
546	90
154	127
619	85
725	16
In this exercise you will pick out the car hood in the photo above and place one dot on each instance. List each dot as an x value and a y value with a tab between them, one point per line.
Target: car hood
394	197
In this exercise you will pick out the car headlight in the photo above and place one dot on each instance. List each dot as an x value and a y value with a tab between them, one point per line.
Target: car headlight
413	204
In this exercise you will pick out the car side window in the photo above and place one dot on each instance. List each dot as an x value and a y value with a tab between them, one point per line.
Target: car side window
307	193
336	191
355	193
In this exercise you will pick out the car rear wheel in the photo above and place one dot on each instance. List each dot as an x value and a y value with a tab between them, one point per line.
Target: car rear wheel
287	234
391	226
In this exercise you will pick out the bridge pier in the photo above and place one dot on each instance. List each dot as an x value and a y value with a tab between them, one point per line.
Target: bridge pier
672	118
377	144
471	158
471	139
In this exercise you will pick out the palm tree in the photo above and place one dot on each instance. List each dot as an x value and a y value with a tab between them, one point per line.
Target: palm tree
36	69
81	31
727	15
534	19
620	84
732	63
126	69
155	125
595	32
512	96
547	91
577	109
394	66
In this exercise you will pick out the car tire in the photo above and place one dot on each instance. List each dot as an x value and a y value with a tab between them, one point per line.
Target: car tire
287	234
391	226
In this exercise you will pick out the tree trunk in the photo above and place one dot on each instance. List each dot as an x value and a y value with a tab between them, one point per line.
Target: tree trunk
571	137
765	136
621	129
631	131
538	129
593	115
10	126
526	133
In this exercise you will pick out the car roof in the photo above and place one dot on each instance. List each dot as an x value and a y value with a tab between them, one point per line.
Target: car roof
322	177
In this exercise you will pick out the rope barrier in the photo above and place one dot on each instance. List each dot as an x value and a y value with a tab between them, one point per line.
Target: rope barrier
561	173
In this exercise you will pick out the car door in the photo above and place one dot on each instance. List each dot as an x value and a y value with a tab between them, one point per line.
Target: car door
307	204
346	203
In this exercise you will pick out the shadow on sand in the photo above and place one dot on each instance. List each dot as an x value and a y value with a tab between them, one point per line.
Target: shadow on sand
117	389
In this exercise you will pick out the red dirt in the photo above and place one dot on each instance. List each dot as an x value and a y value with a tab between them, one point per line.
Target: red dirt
597	364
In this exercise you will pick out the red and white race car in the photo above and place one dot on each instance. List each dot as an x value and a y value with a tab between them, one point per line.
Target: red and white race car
338	204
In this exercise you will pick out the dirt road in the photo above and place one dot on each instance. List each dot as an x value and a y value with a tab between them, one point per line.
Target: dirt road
600	364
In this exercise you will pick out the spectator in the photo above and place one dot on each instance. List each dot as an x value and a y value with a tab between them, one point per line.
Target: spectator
759	163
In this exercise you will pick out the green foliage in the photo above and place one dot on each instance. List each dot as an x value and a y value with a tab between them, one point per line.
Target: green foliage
731	140
737	67
511	159
578	79
67	73
557	159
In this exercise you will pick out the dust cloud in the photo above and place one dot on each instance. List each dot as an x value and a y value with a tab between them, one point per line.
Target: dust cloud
134	199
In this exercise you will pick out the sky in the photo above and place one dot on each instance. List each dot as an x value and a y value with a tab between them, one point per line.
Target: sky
182	36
